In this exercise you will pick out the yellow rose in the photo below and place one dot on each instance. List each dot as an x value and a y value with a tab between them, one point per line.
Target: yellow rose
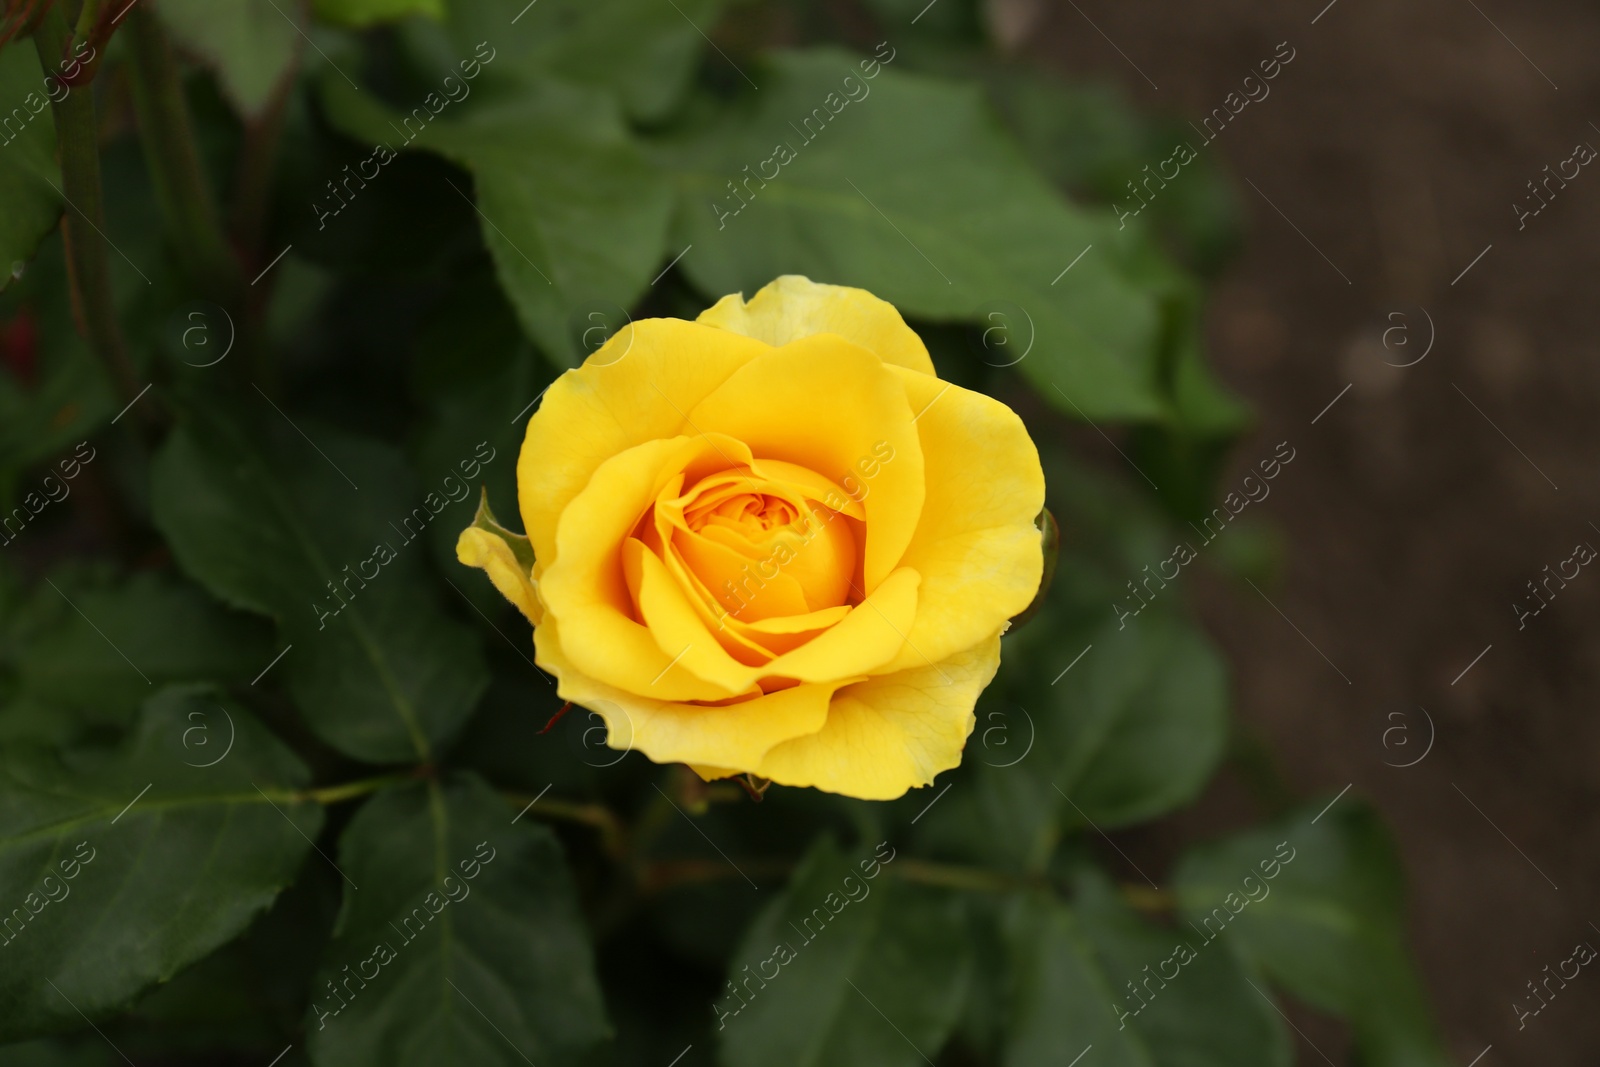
772	541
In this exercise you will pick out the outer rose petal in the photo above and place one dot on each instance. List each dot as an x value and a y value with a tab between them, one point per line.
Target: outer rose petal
490	554
793	306
667	732
888	734
638	387
980	556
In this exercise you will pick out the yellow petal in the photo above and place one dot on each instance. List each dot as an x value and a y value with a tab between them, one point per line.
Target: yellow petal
976	547
864	640
760	571
637	387
831	406
681	633
586	586
750	642
860	643
793	307
708	773
808	484
735	581
479	548
747	640
735	736
888	734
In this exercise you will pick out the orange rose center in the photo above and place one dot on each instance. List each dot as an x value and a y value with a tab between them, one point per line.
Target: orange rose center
750	546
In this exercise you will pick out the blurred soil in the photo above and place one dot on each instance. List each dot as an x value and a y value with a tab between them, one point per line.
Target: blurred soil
1422	502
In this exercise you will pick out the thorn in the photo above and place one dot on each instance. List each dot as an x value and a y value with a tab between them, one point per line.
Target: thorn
756	787
557	717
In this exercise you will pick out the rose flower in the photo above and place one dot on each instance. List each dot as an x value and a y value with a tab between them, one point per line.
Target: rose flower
772	541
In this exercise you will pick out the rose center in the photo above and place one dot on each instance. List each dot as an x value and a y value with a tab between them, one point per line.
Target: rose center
765	547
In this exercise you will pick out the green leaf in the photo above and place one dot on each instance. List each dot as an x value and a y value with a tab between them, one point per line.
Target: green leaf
272	523
1059	997
463	943
641	51
858	204
250	992
249	44
81	649
29	177
1148	722
987	1014
502	741
71	397
357	13
1110	530
957	24
1205	406
1077	690
1185	458
122	867
1131	730
1089	140
572	212
477	380
844	969
1329	927
1186	1001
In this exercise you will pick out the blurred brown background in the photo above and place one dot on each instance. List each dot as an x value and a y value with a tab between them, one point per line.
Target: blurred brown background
1397	142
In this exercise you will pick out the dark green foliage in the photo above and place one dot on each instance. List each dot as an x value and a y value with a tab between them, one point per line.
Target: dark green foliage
295	757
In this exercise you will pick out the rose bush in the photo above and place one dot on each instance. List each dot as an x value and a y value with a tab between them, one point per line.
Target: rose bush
773	541
769	542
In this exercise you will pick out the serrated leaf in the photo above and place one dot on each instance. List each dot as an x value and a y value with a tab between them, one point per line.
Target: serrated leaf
1147	722
152	860
463	945
1329	927
941	219
1187	1001
273	524
1090	140
243	996
249	44
1060	998
641	51
29	177
1106	726
862	971
573	213
81	649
